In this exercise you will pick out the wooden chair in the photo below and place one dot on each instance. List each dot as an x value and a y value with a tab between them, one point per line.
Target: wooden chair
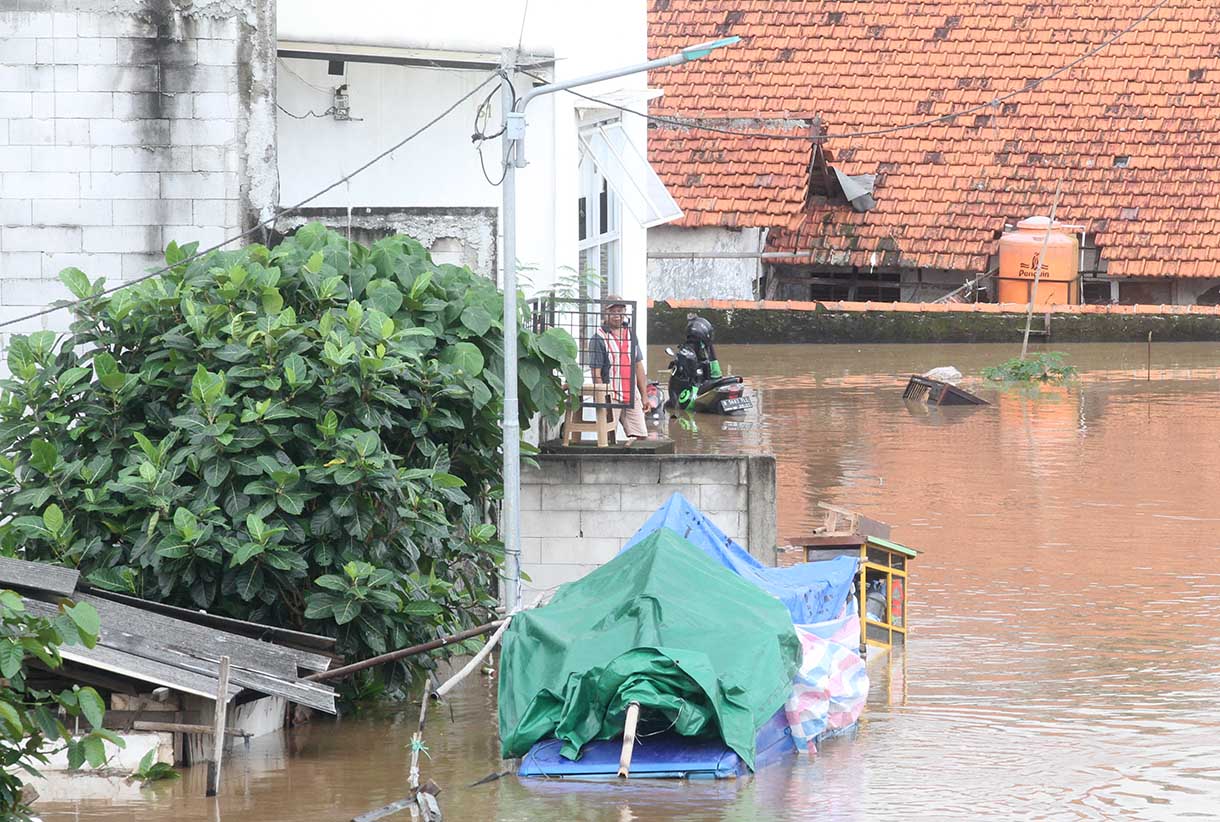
603	423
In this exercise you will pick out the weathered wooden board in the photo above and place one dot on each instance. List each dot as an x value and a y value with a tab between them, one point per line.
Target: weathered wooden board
38	576
294	640
198	639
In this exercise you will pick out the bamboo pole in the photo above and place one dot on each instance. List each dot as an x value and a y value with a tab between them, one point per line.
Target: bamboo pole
402	653
474	662
1149	372
1033	294
624	760
417	742
218	728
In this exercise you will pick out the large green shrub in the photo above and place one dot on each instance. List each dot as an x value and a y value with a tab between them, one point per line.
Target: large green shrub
30	725
305	435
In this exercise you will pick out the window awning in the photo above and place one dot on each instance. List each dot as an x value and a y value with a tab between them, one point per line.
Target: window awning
627	171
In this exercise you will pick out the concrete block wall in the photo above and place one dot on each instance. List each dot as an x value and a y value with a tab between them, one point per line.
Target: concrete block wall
125	124
577	511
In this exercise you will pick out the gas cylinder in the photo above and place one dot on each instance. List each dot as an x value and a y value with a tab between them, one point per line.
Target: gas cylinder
1019	250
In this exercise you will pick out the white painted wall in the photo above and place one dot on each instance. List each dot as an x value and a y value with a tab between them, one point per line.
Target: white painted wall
441	167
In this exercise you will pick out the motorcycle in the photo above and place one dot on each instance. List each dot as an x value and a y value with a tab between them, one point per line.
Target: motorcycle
692	387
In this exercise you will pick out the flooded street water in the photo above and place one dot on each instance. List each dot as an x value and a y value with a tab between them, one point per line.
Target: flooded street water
1064	658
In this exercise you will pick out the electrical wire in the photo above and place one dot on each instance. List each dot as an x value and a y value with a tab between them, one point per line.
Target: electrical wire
483	112
265	223
702	124
307	114
283	63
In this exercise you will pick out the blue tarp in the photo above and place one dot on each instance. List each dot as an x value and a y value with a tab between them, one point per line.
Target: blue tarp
812	591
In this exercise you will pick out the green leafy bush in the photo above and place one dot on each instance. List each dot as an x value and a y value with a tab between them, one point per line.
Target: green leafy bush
1042	367
151	771
30	730
305	435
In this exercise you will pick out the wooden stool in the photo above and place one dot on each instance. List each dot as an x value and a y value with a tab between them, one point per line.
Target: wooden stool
603	423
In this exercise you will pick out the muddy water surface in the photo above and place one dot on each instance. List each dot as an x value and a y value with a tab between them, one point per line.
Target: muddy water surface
1065	611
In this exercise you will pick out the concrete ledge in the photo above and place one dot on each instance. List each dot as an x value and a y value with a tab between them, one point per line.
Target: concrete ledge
579	510
770	321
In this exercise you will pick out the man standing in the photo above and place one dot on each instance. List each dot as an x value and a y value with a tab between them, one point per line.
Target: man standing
617	361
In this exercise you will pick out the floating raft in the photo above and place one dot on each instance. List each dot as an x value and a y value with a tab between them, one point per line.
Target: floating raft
935	392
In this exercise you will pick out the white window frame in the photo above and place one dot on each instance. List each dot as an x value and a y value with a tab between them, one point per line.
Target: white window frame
592	183
628	172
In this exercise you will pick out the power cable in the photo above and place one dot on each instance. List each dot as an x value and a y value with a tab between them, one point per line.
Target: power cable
307	114
701	123
478	137
265	223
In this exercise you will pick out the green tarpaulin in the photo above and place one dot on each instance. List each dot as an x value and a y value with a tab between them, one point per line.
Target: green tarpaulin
662	624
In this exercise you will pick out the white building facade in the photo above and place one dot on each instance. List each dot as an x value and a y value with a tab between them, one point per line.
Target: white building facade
353	83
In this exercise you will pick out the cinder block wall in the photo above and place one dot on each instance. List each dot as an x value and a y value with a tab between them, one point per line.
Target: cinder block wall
125	124
578	511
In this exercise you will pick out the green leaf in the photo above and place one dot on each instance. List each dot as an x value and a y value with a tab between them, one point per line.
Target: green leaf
421	607
76	281
476	318
256	527
86	619
346	611
384	296
93	708
366	443
43	456
557	344
11	657
315	263
245	553
464	356
185	522
53	519
331	582
95	751
421	285
442	480
146	761
104	364
233	352
273	303
11	718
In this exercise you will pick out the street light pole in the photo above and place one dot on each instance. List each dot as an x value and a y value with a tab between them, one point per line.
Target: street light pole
514	158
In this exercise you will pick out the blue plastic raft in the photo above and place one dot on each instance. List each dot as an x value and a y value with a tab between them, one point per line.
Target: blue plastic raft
664	756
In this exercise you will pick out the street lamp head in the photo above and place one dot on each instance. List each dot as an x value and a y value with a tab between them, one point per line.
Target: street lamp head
704	49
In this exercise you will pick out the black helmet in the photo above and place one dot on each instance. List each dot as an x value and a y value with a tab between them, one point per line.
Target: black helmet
698	329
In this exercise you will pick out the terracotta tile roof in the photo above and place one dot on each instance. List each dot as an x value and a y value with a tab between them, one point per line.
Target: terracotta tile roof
944	190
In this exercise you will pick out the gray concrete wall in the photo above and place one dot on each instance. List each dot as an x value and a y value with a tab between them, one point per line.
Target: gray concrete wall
125	124
578	511
470	232
701	278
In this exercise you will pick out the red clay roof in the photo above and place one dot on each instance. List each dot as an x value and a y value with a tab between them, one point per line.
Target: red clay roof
944	190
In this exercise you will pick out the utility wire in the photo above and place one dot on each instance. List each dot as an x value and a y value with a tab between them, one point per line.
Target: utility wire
702	124
308	114
267	222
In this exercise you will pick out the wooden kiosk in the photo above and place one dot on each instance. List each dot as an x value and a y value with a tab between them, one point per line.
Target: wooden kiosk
881	588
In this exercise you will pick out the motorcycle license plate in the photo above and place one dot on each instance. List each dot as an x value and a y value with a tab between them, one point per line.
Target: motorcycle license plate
736	404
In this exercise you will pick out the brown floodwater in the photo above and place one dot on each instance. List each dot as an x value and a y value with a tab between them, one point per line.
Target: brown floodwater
1064	658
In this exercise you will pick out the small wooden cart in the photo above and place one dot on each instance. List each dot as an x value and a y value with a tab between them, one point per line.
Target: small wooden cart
883	571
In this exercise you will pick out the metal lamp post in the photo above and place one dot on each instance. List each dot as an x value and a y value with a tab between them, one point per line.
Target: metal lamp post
514	158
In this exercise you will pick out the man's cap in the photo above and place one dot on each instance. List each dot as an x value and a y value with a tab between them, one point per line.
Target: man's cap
612	300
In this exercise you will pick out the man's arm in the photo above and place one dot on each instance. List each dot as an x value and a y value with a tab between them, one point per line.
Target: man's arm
641	383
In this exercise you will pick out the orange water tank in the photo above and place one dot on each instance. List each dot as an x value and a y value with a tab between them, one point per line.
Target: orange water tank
1059	281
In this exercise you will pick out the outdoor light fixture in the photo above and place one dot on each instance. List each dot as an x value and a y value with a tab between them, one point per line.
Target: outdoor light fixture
514	158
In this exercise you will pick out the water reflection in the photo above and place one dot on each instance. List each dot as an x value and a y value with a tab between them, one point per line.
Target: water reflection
1065	612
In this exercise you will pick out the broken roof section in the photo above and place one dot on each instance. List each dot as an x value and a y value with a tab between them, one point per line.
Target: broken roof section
140	644
1134	130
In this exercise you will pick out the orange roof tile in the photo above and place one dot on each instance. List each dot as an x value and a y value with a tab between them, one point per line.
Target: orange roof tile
944	190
